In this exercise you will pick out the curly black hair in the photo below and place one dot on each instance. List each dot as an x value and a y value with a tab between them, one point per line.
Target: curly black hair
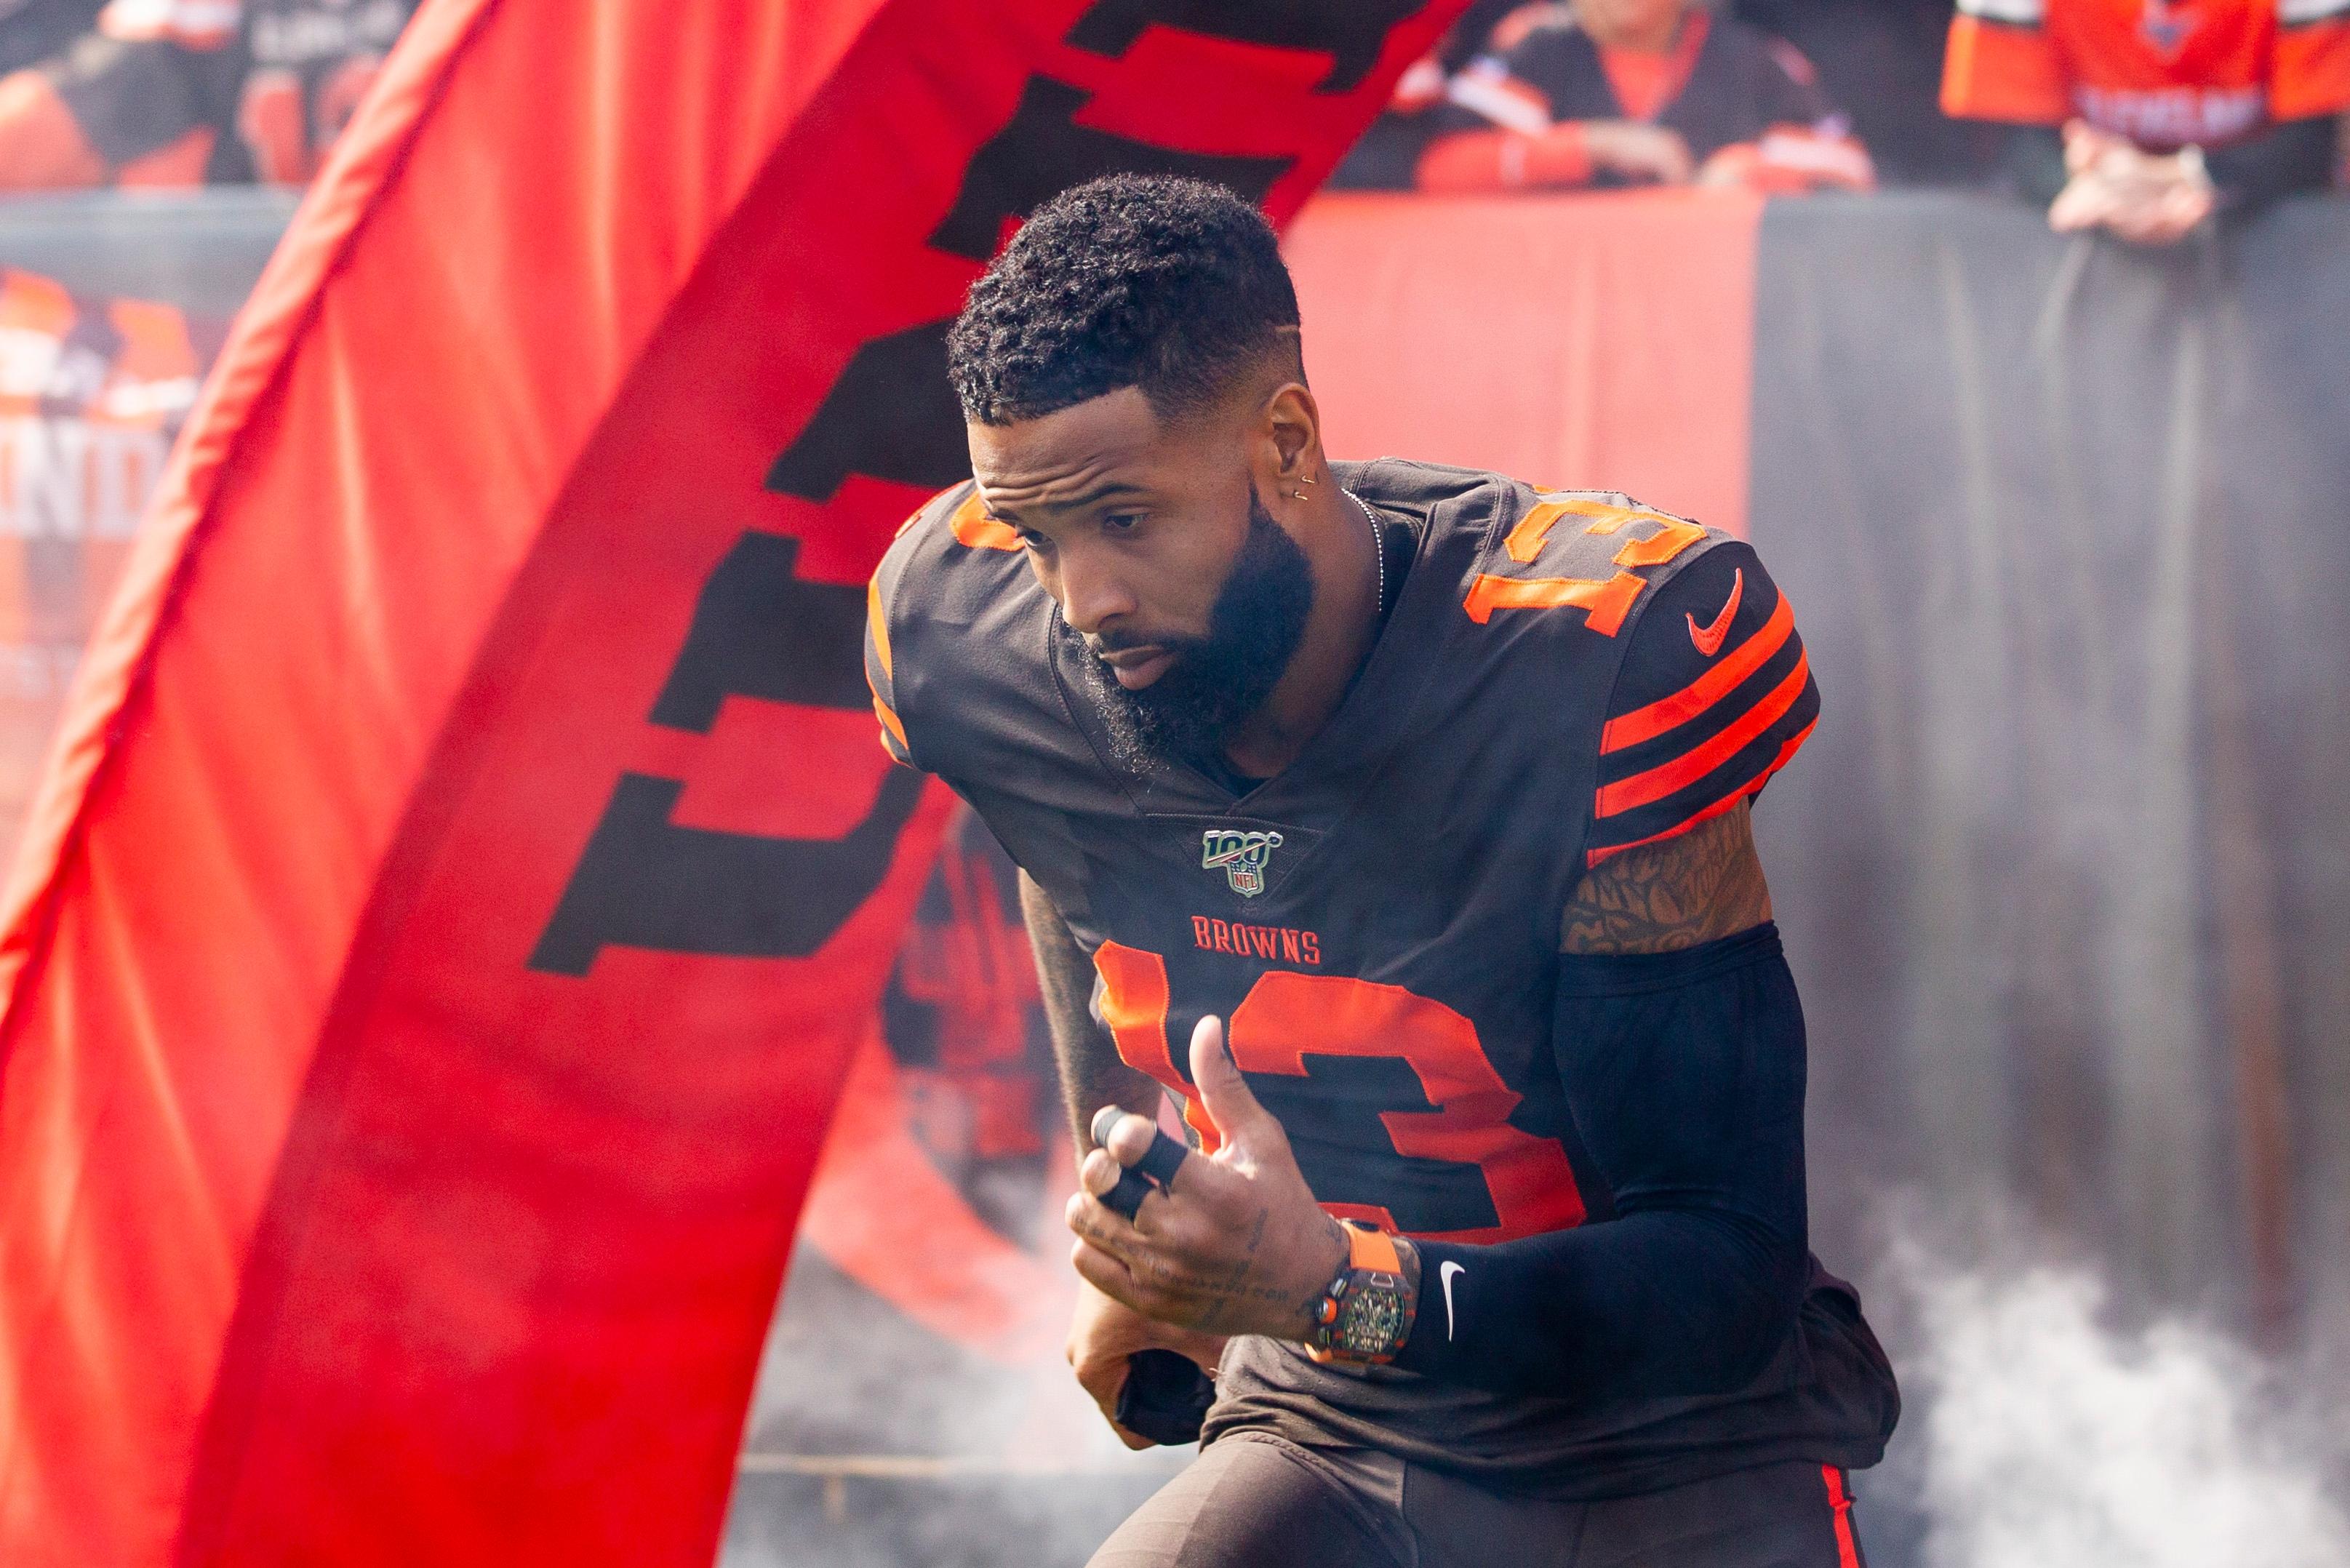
1173	285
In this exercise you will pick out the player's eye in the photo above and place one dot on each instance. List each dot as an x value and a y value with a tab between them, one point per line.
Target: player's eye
1122	522
1030	539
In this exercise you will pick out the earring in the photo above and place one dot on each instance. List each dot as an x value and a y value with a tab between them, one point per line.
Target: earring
1301	494
1305	478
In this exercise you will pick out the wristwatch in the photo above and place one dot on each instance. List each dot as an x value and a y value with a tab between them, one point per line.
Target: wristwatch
1366	1313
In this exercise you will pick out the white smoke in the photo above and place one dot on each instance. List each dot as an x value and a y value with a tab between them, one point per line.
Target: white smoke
2048	1439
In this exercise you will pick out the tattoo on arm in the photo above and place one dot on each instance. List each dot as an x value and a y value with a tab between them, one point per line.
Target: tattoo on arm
1700	886
1092	1075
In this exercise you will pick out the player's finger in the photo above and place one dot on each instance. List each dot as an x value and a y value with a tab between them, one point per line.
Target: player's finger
1135	1143
1230	1105
1123	1133
1099	1173
1121	1191
1106	1273
1110	1120
1094	1221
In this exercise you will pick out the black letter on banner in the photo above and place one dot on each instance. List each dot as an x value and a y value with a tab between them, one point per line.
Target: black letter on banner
891	415
1043	152
647	883
1350	31
759	631
644	882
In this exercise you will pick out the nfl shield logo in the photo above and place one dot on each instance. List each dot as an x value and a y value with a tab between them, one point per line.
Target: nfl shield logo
1240	855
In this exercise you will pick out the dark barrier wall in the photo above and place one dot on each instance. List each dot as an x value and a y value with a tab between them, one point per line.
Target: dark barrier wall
2066	869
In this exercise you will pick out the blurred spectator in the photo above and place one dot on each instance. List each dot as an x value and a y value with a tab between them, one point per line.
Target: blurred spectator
1880	61
1383	160
1630	92
33	30
182	92
2169	110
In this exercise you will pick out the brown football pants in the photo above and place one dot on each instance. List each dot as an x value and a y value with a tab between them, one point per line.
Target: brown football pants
1252	1500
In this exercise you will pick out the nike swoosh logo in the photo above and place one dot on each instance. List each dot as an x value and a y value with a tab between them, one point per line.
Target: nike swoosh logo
1709	638
1446	1275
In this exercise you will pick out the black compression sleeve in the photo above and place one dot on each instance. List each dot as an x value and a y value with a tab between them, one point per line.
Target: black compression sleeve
1685	1074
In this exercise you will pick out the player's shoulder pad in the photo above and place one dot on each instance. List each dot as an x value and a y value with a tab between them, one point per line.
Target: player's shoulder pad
948	559
1714	695
1594	555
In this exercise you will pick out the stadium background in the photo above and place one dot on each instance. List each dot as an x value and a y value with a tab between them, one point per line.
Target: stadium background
2063	873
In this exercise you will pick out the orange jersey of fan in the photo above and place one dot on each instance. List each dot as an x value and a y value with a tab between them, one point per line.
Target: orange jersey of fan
2163	73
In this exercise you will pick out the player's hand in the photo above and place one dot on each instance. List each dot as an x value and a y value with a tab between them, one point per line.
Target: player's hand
1235	1243
1105	1333
1634	151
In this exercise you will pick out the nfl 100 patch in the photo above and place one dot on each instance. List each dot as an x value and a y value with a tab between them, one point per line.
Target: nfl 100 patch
1240	856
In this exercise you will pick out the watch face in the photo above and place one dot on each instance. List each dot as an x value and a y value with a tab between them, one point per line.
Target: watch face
1373	1321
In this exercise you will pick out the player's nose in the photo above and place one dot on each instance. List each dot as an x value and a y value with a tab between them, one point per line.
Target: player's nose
1093	595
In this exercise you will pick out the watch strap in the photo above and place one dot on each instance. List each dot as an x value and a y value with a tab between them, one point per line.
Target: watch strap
1366	1314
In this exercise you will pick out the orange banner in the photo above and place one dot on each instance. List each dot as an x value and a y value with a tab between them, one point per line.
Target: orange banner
468	867
1584	341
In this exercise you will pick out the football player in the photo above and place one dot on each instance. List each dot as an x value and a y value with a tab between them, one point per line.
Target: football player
1392	819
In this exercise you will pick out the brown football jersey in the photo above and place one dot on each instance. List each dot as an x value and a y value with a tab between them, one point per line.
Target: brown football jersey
1562	676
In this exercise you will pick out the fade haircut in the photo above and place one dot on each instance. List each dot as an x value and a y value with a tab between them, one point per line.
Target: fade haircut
1172	286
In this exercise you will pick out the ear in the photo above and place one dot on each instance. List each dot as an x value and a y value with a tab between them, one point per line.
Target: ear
1293	425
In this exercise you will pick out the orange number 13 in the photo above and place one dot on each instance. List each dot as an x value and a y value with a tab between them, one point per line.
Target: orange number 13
1286	1018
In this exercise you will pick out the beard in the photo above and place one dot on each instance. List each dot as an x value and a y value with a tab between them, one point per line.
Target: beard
1218	679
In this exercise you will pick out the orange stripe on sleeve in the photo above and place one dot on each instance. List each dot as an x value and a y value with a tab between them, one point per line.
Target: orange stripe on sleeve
175	166
1744	792
42	145
2312	70
1472	160
896	730
1665	713
877	624
1662	780
1994	70
1674	831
